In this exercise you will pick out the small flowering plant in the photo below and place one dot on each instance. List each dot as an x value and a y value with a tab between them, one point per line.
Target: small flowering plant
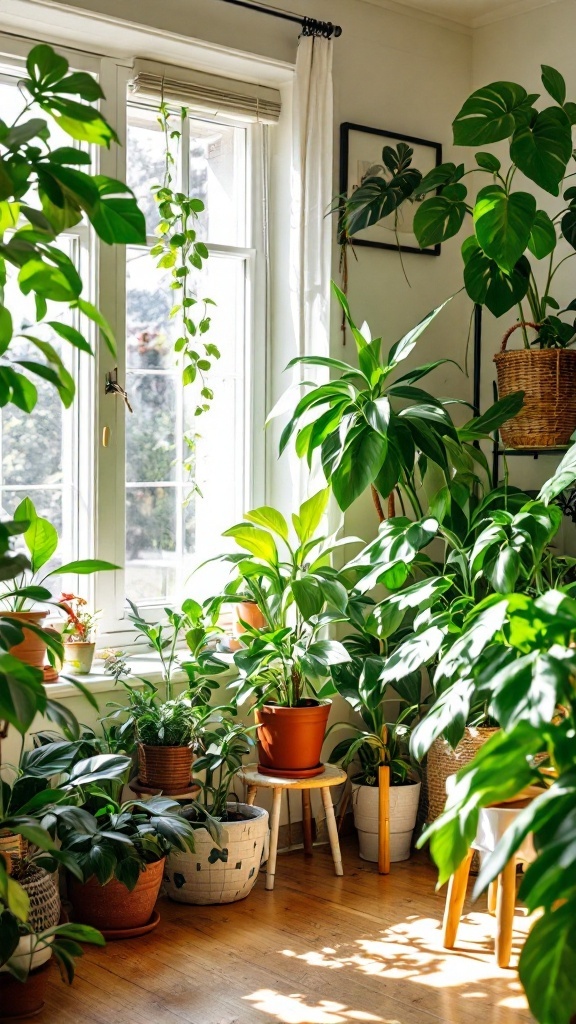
81	623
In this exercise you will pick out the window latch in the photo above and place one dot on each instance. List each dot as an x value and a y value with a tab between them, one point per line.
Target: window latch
112	387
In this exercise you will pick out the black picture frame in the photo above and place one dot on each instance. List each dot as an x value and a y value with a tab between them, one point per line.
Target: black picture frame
347	128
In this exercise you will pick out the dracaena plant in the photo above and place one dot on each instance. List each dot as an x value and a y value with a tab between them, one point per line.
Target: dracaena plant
46	189
373	429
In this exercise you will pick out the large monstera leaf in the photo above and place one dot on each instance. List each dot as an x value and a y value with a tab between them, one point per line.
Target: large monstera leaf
490	286
491	114
542	147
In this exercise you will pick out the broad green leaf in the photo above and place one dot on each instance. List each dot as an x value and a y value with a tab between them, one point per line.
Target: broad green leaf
71	335
377	414
491	114
258	542
5	328
541	149
504	572
41	537
402	349
45	66
440	217
84	567
568	227
117	219
548	966
308	597
502	411
488	162
542	239
22	692
270	519
9	213
503	224
488	285
310	515
554	84
563	477
96	316
360	464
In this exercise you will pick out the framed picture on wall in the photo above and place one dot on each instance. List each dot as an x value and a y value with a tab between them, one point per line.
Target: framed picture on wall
360	157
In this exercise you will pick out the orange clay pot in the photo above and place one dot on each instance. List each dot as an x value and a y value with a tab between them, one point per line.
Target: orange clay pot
250	613
290	739
113	906
32	650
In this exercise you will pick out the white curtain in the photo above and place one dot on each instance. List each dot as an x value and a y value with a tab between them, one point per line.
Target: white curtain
310	228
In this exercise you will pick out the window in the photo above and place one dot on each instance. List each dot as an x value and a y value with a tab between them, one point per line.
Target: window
156	489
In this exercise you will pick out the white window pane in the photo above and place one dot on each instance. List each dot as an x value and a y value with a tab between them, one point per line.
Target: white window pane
217	159
151	428
145	161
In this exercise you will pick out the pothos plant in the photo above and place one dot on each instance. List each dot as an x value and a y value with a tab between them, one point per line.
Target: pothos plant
45	190
180	251
512	233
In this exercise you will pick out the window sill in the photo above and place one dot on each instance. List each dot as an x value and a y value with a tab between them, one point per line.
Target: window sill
142	667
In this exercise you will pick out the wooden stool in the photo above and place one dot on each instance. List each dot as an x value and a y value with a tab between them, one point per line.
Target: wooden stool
332	776
492	823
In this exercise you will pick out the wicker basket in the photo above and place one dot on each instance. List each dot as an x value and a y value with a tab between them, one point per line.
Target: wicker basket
44	898
548	379
165	768
443	761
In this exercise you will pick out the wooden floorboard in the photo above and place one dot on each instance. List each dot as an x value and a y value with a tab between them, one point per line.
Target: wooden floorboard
318	950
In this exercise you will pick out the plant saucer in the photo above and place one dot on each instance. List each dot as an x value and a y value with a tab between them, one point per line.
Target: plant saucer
132	933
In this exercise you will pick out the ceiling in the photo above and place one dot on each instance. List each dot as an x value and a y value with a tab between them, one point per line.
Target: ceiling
474	12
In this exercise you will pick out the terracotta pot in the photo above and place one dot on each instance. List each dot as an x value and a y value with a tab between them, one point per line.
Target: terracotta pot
19	1000
250	613
165	768
290	739
78	658
220	874
32	650
113	906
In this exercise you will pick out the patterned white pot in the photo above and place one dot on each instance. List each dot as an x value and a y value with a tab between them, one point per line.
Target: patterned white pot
403	811
29	953
220	875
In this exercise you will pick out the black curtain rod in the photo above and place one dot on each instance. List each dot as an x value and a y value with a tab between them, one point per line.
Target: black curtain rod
310	27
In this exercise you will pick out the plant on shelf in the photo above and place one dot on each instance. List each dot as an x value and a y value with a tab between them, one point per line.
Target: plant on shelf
285	665
181	251
121	851
381	740
165	729
371	431
41	540
79	634
512	234
46	190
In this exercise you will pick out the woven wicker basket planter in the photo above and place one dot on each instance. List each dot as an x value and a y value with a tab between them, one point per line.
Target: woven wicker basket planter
225	874
44	898
548	379
443	761
165	768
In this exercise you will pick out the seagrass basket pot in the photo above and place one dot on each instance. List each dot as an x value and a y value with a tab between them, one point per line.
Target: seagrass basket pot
548	379
165	768
44	897
443	761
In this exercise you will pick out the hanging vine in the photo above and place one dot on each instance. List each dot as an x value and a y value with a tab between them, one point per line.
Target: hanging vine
179	251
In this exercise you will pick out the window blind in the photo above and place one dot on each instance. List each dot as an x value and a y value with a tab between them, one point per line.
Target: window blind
206	93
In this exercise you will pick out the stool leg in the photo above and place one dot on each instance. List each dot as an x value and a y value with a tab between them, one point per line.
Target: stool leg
307	821
505	903
492	893
455	901
252	790
332	830
274	826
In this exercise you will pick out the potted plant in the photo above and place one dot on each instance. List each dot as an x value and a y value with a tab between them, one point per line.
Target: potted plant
121	850
381	739
164	729
41	540
78	633
511	235
229	836
26	949
285	667
375	430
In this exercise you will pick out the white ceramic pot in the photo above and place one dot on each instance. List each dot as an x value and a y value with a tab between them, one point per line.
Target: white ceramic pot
220	875
403	811
78	658
28	954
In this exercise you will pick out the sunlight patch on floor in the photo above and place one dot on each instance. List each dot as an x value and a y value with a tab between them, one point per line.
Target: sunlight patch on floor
293	1009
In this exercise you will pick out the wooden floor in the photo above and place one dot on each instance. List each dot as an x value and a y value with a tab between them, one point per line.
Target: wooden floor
317	950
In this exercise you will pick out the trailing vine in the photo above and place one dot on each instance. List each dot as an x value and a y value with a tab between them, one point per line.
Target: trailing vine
179	251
